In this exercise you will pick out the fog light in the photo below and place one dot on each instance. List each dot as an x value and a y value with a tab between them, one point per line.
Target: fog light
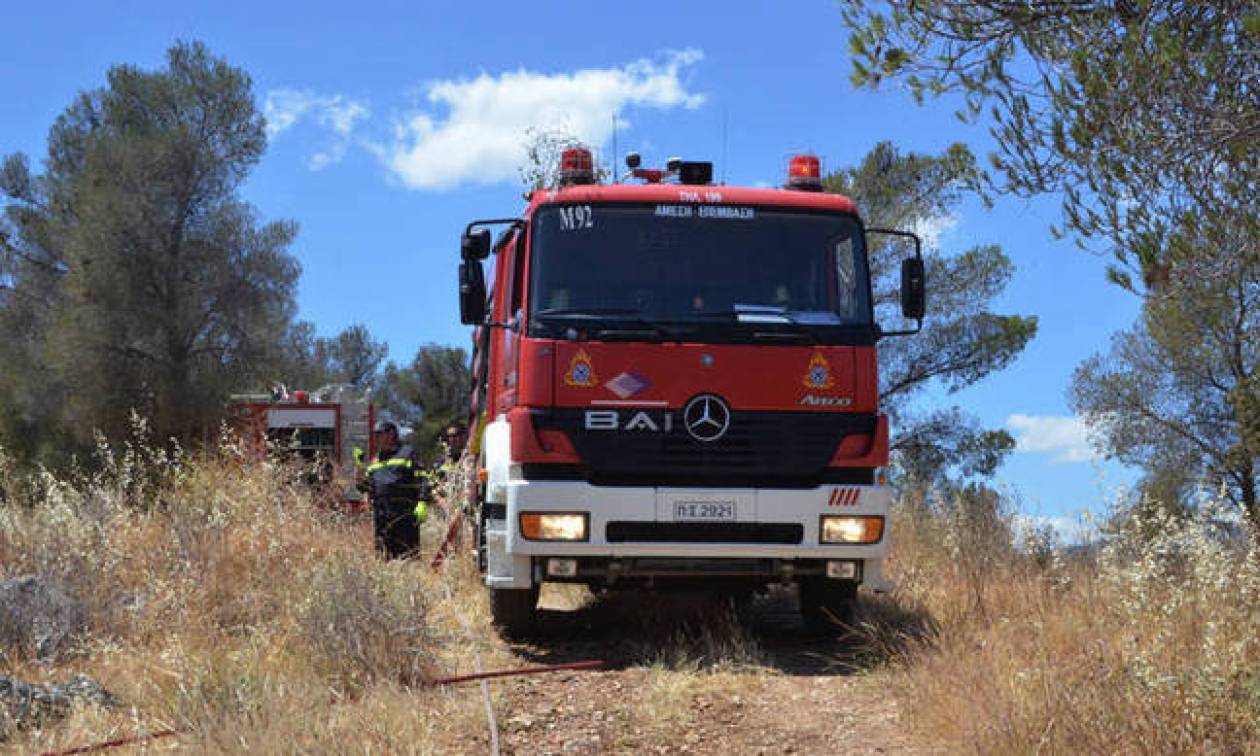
836	529
549	526
837	570
562	567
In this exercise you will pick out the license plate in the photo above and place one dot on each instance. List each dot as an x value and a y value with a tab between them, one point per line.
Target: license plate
704	511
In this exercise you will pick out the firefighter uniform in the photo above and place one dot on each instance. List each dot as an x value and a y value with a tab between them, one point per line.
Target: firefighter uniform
400	494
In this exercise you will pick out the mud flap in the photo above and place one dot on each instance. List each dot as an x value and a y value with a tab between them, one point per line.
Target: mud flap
503	570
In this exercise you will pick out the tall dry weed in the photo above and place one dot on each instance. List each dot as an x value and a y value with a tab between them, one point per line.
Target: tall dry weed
1150	647
224	598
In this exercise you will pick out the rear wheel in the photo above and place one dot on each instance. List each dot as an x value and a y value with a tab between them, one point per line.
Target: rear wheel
513	610
827	605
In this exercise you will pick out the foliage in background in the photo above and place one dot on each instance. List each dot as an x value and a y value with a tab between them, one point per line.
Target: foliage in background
1143	118
352	356
428	395
132	272
963	340
1140	115
1177	395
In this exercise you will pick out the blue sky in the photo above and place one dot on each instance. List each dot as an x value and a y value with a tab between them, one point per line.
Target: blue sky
394	124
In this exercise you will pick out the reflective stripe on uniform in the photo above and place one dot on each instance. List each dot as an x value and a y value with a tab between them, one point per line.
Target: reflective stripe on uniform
392	462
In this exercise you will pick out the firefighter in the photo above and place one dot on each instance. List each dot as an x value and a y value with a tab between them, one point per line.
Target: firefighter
452	446
400	494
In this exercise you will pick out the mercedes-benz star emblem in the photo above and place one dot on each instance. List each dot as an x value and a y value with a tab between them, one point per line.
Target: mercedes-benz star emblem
707	417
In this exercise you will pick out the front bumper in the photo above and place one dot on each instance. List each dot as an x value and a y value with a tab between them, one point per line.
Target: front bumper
637	522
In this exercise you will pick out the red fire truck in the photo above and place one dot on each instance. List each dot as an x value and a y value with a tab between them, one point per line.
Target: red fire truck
677	388
321	429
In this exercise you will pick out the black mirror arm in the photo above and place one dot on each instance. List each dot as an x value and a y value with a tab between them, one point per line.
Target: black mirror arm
918	253
918	243
512	325
881	333
513	223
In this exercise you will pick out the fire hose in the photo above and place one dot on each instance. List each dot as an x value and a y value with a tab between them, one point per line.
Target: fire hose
479	676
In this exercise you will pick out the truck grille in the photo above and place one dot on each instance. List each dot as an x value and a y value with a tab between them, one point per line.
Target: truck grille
704	532
779	449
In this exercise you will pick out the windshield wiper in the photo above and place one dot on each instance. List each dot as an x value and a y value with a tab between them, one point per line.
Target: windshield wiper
637	329
585	312
763	315
629	322
754	313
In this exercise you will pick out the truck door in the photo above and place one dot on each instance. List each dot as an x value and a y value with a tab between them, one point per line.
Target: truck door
513	303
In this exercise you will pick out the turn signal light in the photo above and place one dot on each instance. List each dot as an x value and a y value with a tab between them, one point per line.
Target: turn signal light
554	526
835	529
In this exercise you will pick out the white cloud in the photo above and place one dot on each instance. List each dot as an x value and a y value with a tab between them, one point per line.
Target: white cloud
1064	436
479	137
337	114
931	230
283	108
341	114
320	160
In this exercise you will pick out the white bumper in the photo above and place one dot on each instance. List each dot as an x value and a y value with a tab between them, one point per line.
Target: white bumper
607	504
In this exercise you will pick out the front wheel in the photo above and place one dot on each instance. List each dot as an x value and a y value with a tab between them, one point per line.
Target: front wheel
827	605
513	610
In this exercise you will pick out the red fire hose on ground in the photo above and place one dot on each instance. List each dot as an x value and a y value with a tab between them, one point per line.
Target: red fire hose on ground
581	666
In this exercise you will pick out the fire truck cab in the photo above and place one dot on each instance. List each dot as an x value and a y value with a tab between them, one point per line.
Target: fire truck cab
676	387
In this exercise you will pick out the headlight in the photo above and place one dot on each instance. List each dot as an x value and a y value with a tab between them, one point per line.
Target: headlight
548	526
851	529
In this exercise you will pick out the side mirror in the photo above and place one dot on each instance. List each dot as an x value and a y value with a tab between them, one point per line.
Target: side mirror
475	245
472	291
913	288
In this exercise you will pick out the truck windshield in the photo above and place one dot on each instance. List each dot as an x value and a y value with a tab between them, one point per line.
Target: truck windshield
717	266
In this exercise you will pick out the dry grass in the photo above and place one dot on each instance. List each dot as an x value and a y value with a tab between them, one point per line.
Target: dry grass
224	600
1150	648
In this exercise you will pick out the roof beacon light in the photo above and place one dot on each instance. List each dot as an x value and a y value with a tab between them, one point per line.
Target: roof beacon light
805	173
577	166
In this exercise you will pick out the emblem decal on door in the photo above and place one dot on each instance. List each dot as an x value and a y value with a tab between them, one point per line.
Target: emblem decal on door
581	372
818	375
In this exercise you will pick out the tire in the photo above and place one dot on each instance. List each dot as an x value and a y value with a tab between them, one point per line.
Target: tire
512	610
827	606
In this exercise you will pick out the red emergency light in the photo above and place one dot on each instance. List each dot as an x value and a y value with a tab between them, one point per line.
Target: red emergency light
805	173
577	166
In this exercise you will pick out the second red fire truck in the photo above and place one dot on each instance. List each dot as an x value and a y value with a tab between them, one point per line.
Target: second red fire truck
677	388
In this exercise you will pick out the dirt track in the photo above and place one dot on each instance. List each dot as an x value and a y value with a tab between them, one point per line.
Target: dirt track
681	681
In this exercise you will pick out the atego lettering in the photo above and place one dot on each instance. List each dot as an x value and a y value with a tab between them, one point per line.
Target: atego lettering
813	400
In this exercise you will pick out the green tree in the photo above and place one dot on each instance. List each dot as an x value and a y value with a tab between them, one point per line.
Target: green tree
309	361
963	341
1139	114
1143	117
430	394
353	356
157	288
1178	394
